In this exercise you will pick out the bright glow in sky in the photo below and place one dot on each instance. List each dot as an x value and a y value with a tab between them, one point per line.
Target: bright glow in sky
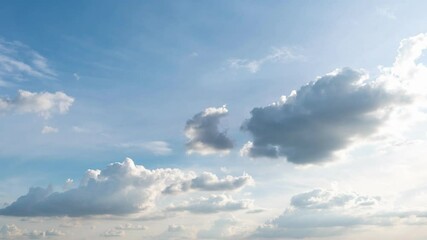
213	120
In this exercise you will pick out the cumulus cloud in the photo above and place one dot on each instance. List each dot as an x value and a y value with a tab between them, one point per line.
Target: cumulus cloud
121	188
204	135
320	213
19	62
43	103
253	66
210	182
325	116
212	204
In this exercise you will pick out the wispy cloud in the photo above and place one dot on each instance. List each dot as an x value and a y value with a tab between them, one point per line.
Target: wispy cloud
254	65
19	62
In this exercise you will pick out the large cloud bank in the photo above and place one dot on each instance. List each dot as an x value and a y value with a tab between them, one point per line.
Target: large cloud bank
121	188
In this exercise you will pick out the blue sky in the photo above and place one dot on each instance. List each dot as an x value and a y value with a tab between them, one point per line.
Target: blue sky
191	85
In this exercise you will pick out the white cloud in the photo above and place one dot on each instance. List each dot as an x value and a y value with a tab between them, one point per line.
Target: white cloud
48	129
203	133
253	66
210	182
19	62
44	103
212	204
121	188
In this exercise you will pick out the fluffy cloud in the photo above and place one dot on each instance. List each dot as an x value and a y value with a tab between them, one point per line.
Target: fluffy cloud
323	213
204	135
253	66
312	124
19	62
121	188
325	116
44	103
213	204
210	182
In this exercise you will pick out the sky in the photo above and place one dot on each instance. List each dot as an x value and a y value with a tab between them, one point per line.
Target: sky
213	120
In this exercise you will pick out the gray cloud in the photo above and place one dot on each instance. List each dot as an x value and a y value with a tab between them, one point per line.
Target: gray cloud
322	117
204	135
121	188
212	204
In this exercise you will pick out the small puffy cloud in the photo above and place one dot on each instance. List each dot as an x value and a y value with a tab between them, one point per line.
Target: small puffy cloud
210	182
113	233
49	129
204	135
121	188
44	103
212	204
19	62
129	226
253	66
